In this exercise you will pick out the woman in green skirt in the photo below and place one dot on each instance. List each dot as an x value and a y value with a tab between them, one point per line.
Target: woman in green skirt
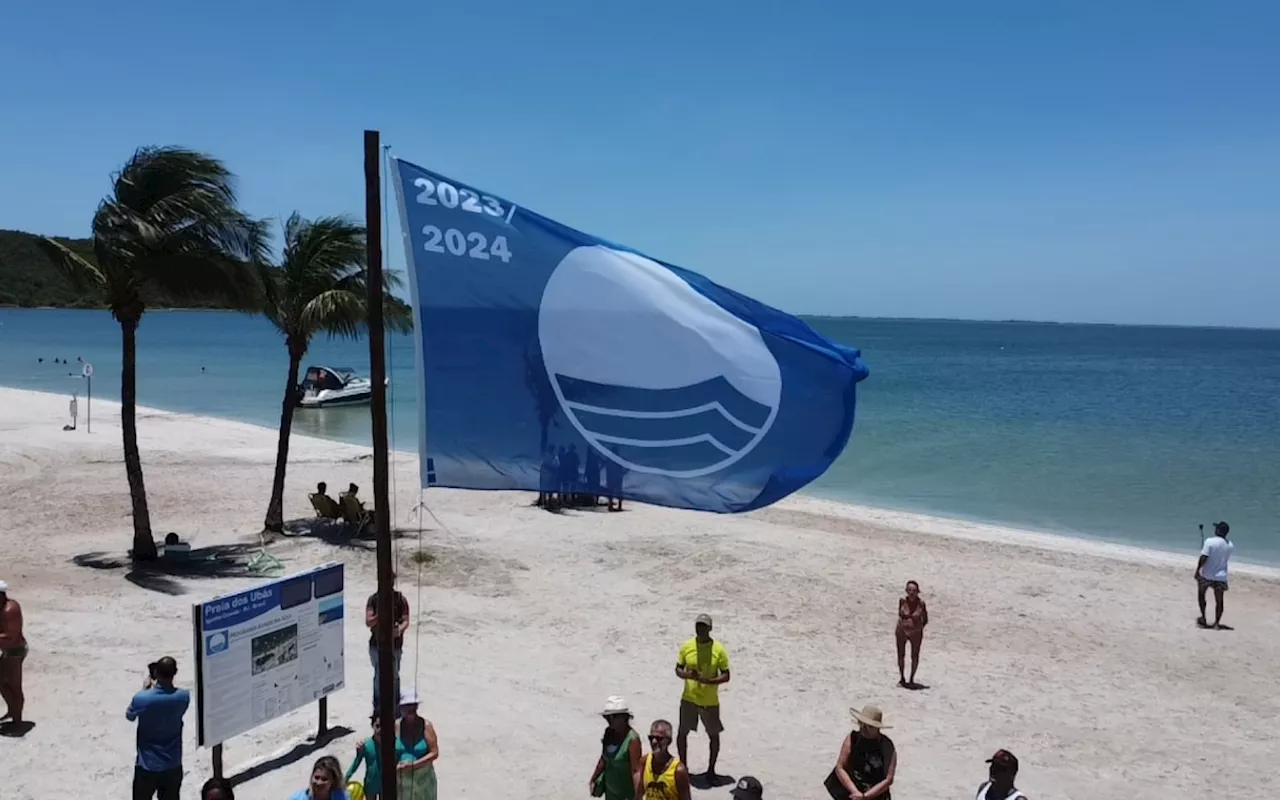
620	754
417	749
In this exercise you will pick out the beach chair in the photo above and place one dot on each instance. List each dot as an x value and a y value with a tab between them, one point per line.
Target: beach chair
325	506
357	517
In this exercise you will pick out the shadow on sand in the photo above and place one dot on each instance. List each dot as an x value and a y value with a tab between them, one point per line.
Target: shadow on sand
704	781
338	533
574	509
299	752
218	561
16	730
222	561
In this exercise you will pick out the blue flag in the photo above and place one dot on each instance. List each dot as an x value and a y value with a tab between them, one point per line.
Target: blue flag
552	360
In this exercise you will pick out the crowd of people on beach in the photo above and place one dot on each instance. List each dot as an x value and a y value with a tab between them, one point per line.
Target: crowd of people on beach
865	767
567	481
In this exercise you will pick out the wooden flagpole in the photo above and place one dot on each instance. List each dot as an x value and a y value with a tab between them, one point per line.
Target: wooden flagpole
386	676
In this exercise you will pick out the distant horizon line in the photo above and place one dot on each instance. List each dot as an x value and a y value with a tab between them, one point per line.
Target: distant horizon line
1014	321
802	315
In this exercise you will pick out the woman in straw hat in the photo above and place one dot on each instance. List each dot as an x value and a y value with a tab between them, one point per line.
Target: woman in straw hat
867	761
621	757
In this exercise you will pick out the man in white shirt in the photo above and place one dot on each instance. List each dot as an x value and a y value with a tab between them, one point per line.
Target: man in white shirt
1211	571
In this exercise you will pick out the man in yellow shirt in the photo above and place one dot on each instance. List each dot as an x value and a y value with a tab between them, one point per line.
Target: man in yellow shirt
703	664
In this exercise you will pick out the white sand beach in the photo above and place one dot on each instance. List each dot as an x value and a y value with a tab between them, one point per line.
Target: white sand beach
1081	658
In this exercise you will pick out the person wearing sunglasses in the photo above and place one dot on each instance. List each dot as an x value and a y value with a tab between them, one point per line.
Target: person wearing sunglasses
663	777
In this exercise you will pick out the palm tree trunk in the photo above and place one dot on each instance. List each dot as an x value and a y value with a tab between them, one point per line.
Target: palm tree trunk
144	547
274	521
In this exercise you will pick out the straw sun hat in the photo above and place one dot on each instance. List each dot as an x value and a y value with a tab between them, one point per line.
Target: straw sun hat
869	715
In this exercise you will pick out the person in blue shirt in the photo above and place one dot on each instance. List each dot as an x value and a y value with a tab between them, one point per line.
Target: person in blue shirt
158	709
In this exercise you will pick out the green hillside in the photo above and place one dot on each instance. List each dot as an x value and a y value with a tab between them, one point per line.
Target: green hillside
28	278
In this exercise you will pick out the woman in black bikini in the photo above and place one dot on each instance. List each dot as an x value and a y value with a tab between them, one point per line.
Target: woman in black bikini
913	616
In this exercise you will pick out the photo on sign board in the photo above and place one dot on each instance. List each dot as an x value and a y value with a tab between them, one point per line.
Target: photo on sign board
271	650
330	611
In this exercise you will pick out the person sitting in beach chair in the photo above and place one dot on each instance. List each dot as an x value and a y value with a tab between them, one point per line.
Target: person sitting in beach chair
175	549
353	511
325	506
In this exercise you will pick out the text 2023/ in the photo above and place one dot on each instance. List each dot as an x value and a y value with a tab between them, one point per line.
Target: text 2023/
457	242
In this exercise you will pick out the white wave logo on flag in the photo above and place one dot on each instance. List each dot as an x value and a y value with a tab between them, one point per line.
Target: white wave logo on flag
655	376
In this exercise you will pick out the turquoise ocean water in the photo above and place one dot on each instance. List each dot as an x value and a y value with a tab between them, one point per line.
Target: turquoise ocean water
1128	434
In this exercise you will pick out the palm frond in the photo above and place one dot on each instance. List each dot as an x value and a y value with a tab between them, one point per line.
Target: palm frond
397	315
204	274
80	272
392	279
173	183
171	230
316	288
272	288
336	312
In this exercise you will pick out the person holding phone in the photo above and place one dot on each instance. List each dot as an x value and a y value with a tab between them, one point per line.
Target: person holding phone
158	710
703	665
1211	572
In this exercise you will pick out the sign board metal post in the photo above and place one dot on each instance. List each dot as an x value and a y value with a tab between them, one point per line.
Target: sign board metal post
87	372
217	761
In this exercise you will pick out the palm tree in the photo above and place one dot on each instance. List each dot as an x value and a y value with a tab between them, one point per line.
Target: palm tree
318	287
171	233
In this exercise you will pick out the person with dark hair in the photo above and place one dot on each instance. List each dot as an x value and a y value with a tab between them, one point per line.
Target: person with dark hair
1001	775
400	614
748	788
217	789
621	756
13	652
353	492
367	753
1211	572
158	709
912	617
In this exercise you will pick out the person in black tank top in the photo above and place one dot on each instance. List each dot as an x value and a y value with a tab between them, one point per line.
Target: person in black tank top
867	762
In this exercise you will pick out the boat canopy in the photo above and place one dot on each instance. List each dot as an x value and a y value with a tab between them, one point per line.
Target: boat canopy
327	377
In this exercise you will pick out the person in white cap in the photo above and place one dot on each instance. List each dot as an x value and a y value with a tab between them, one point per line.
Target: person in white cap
867	762
621	755
13	651
417	749
703	664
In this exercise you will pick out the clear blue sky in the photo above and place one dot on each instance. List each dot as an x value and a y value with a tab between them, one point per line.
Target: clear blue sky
1069	160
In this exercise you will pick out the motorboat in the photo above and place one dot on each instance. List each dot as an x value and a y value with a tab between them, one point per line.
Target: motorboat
325	387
